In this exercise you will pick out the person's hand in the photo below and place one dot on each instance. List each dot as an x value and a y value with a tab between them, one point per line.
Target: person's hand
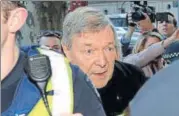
146	24
66	114
131	23
173	37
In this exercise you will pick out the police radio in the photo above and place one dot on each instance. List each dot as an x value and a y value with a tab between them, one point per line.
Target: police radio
39	71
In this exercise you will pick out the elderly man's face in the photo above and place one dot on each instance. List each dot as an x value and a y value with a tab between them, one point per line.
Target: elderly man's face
95	54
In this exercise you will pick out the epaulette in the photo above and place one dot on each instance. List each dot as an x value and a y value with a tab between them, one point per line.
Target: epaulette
171	55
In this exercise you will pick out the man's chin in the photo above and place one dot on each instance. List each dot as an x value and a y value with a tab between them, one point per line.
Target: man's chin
100	86
100	81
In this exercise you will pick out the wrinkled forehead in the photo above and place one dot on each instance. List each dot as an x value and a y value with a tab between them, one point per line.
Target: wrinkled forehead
101	38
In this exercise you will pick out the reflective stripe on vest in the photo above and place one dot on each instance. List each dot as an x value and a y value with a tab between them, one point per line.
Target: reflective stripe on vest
61	83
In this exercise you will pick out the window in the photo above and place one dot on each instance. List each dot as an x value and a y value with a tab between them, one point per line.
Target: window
119	22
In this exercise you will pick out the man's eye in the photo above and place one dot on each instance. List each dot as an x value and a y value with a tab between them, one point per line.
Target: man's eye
90	51
161	22
56	46
110	49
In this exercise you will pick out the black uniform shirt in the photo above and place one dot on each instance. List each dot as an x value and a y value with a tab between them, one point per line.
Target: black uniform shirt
126	81
9	84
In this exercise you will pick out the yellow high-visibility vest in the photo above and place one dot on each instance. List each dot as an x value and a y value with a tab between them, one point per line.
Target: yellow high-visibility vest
61	83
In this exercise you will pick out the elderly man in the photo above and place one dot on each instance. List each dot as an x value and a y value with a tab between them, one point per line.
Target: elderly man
89	41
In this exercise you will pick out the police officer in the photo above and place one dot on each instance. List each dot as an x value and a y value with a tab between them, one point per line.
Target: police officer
19	94
171	53
51	39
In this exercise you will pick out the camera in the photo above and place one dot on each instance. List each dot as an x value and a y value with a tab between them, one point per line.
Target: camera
139	9
162	16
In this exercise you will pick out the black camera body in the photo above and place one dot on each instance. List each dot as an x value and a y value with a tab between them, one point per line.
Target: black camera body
139	9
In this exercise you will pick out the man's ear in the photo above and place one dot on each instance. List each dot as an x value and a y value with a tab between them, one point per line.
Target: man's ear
67	52
117	56
17	19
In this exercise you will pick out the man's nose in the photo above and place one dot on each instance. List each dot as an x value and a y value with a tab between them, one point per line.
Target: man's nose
101	60
164	23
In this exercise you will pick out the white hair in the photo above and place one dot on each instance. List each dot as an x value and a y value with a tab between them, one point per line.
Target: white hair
86	19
